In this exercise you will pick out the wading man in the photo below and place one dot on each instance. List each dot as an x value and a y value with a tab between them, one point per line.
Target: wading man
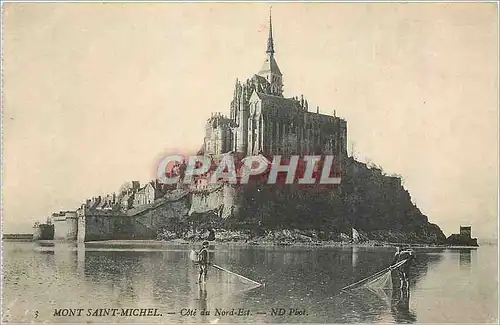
403	270
203	262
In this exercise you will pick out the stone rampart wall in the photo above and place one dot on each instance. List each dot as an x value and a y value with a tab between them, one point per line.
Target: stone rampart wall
143	223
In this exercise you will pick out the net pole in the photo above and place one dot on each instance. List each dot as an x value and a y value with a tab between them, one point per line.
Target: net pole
241	276
367	278
387	269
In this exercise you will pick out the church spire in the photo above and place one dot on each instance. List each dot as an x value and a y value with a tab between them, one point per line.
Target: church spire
270	70
270	42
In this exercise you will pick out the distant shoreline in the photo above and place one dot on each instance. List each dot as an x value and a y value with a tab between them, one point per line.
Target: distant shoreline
159	243
239	243
17	237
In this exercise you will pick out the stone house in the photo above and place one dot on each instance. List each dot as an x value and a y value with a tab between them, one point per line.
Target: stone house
148	194
127	201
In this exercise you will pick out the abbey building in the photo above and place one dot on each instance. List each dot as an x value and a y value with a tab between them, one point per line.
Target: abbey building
263	121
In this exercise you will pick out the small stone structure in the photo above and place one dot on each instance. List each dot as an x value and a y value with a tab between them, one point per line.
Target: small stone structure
463	238
43	231
65	225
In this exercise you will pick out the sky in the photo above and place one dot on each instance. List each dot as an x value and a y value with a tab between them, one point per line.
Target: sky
95	94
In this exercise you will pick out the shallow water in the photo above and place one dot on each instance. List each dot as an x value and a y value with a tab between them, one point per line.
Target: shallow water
447	285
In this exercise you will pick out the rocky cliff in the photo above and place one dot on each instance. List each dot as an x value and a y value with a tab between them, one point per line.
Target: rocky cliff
379	205
375	204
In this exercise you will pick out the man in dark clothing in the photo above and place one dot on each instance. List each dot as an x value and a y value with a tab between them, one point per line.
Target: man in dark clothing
203	262
403	270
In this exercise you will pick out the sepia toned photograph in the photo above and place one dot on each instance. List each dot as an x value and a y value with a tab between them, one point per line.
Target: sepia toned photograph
250	162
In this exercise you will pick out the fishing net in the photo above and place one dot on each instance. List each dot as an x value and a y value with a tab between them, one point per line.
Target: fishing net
381	280
236	278
222	282
217	274
374	298
193	256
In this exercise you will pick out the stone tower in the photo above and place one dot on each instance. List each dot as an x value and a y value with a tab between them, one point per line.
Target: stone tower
217	134
270	69
242	136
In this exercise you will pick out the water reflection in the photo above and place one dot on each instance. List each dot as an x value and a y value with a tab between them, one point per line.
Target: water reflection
313	276
202	305
389	303
425	260
376	304
465	258
44	244
294	277
400	307
354	256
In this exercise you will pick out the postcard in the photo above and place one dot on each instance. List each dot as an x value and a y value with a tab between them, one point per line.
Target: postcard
239	162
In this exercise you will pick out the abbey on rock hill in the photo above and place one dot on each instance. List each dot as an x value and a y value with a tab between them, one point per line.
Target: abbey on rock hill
263	121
